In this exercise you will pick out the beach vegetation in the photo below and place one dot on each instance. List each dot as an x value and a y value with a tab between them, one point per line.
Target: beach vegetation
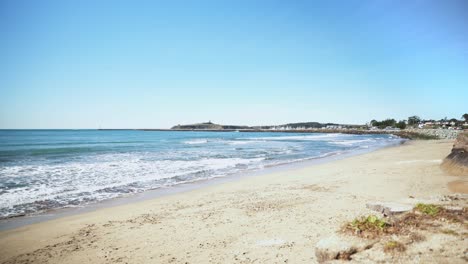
428	209
449	232
402	231
416	237
370	226
392	246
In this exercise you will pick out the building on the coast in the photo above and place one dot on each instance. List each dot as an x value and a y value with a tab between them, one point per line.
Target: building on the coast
444	124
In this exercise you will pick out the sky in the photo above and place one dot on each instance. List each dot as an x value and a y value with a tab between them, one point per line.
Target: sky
155	64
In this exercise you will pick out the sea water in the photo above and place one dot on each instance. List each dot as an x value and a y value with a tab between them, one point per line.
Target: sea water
49	169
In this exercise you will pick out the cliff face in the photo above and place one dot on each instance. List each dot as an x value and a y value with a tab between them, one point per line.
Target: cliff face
456	163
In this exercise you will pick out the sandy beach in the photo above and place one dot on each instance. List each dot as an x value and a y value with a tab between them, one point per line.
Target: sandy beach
273	218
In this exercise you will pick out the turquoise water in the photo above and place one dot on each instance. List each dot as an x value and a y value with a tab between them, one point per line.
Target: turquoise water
48	169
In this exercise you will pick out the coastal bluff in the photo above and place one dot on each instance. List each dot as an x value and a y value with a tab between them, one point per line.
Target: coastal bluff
315	127
456	163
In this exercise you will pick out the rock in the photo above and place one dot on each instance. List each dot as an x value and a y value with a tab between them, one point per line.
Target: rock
340	247
456	163
388	208
440	133
454	209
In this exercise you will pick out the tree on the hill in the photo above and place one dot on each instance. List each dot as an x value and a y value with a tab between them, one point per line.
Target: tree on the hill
401	124
383	124
413	120
465	116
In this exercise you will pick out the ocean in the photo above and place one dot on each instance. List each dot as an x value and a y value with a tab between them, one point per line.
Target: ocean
42	170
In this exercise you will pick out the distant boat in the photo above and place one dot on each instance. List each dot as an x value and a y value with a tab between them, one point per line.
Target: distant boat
236	131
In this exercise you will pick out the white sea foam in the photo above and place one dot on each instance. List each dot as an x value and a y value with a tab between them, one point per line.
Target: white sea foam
351	142
47	180
70	181
196	141
244	142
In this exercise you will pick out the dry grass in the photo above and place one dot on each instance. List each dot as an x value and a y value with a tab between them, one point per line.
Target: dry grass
368	227
416	237
393	246
423	217
449	232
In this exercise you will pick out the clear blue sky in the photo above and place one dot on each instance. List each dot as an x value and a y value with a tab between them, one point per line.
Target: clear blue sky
135	64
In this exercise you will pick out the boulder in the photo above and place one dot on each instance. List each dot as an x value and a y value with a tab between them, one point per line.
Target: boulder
389	209
456	163
340	247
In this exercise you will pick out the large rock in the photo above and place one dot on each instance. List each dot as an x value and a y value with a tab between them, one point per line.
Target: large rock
389	209
340	247
456	163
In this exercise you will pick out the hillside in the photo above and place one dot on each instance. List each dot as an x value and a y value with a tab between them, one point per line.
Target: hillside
212	126
207	126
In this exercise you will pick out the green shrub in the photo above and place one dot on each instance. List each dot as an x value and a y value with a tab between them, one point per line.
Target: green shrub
428	209
369	223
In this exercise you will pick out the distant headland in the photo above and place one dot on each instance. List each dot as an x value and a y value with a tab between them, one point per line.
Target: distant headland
412	128
208	126
290	126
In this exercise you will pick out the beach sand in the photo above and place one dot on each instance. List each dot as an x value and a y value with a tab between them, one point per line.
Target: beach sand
273	218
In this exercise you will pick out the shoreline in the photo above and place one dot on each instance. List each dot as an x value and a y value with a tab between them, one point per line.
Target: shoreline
425	134
273	217
408	133
24	220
